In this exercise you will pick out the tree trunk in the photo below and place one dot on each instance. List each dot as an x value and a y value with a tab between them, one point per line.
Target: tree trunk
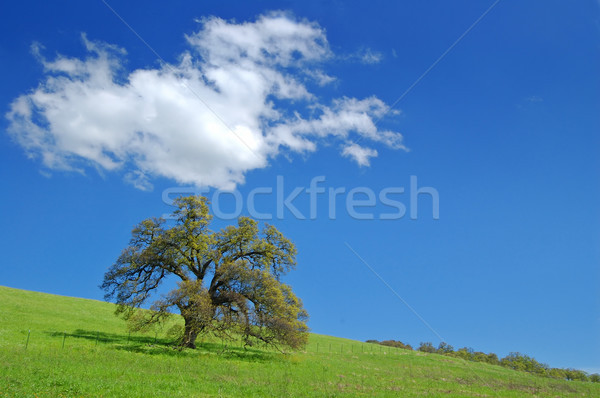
189	335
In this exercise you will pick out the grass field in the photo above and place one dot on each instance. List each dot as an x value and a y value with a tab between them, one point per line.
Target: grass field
55	346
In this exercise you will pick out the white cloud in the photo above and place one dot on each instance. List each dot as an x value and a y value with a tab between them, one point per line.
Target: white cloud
320	77
369	56
235	100
362	155
363	55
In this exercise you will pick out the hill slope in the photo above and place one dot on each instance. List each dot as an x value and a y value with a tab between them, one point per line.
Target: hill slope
55	346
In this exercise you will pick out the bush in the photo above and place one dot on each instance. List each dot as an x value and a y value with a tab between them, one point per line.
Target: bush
464	353
492	359
557	373
479	356
391	343
397	344
518	361
445	348
574	374
427	347
514	360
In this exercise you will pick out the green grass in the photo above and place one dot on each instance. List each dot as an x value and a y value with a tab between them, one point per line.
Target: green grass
100	359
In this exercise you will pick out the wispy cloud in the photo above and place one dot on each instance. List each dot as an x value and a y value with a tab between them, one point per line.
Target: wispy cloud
363	55
156	122
530	102
361	154
320	77
369	56
534	98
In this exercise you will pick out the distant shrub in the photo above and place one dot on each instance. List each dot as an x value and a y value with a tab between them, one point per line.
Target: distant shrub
492	359
469	355
574	374
427	347
396	343
514	360
518	361
391	343
479	356
465	353
557	373
445	348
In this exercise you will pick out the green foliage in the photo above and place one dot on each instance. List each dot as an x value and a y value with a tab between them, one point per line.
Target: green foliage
444	348
141	365
557	373
574	374
514	360
426	347
464	353
229	281
523	362
492	359
391	343
397	344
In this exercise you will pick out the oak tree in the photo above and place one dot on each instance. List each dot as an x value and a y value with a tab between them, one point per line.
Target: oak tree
228	282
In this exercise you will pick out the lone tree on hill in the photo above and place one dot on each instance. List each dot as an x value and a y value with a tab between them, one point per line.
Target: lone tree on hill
228	281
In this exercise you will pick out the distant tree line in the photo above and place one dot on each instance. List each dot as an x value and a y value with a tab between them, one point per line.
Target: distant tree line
514	360
392	343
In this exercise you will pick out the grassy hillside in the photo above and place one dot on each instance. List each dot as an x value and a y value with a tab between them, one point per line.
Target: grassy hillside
78	348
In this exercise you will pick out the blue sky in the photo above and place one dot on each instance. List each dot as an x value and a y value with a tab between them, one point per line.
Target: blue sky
96	131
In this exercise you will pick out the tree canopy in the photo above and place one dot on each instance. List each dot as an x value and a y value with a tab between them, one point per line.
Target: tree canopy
228	282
